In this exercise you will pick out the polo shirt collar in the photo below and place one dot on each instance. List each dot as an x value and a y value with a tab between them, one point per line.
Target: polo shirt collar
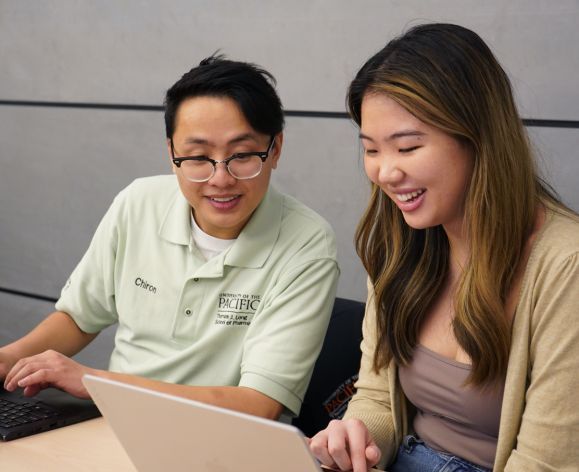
176	224
253	245
257	240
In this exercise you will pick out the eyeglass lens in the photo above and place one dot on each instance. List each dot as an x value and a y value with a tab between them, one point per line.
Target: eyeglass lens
240	168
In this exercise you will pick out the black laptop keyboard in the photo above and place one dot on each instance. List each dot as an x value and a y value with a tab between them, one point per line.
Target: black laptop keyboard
15	414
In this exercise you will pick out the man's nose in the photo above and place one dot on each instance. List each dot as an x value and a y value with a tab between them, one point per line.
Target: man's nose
222	177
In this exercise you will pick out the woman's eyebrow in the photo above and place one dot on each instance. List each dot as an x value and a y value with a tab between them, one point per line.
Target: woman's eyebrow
396	135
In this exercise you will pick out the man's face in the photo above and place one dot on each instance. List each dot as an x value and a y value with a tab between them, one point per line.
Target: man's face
215	127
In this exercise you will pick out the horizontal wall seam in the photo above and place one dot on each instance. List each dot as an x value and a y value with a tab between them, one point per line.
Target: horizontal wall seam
531	122
34	296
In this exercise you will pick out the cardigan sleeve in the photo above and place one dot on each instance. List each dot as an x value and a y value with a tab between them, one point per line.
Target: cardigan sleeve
549	429
371	404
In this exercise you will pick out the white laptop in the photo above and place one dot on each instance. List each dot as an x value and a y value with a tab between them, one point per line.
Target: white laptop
162	432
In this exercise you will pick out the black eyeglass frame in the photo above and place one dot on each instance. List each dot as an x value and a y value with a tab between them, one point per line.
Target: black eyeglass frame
263	155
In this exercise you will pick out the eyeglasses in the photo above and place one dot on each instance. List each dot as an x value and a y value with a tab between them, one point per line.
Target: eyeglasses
242	165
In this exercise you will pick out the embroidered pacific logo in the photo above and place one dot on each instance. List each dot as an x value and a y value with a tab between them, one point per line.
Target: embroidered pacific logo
236	309
238	304
139	282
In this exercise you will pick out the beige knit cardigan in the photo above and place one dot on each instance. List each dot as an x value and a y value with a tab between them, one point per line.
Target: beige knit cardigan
539	426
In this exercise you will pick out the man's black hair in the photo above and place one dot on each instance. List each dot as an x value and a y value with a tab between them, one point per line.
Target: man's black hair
250	86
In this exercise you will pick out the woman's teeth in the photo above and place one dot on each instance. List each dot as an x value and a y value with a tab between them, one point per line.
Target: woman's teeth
406	197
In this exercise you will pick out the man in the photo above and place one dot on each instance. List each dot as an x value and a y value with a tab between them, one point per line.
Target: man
221	286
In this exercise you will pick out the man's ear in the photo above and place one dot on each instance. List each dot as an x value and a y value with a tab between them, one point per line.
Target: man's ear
169	154
276	151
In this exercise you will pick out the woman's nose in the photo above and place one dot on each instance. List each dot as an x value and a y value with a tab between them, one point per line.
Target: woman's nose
389	172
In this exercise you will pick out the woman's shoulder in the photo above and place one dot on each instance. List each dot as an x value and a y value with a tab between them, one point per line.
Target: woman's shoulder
554	259
558	239
549	290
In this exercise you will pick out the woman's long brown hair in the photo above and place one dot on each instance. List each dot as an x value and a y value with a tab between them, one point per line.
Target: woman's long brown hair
447	77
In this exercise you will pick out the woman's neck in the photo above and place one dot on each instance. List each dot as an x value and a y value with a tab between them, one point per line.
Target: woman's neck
459	251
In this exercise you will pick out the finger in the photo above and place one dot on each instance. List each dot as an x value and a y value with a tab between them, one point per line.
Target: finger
5	366
373	454
337	448
31	369
37	376
21	364
27	365
33	390
358	440
20	370
10	375
319	448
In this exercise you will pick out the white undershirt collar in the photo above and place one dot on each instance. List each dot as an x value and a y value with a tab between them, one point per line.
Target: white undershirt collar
208	245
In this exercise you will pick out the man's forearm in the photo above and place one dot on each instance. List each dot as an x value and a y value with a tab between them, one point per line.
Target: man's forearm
57	331
241	399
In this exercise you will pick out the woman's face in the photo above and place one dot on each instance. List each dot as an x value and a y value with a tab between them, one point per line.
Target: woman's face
424	170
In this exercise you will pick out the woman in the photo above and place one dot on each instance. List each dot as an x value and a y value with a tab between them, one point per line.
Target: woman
470	357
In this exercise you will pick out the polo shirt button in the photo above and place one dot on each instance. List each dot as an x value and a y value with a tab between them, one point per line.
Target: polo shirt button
196	279
188	312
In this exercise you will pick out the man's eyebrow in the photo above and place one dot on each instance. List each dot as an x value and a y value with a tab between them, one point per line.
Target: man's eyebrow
238	139
242	138
397	135
193	140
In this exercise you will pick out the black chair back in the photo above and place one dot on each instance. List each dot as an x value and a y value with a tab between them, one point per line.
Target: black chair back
336	370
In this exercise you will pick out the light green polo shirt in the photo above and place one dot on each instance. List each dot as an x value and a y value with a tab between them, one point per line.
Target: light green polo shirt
253	316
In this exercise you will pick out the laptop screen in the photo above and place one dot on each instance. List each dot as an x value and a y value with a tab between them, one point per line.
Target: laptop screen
164	432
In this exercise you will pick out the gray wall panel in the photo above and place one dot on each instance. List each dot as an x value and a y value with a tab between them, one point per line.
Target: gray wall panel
322	167
60	170
59	176
20	315
558	160
130	51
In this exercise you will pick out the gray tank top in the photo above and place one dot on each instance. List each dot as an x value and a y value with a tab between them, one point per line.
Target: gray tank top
452	418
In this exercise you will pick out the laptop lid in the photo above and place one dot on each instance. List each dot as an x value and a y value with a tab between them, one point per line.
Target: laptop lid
50	409
164	432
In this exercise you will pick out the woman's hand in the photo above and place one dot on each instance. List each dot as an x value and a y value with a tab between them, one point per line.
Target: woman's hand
345	445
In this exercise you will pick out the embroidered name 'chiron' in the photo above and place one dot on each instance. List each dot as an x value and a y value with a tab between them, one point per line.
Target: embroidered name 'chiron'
145	285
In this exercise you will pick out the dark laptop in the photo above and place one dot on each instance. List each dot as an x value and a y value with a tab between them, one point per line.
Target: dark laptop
51	408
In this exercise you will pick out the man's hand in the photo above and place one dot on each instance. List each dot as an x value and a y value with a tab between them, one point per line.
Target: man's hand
48	369
6	363
345	445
